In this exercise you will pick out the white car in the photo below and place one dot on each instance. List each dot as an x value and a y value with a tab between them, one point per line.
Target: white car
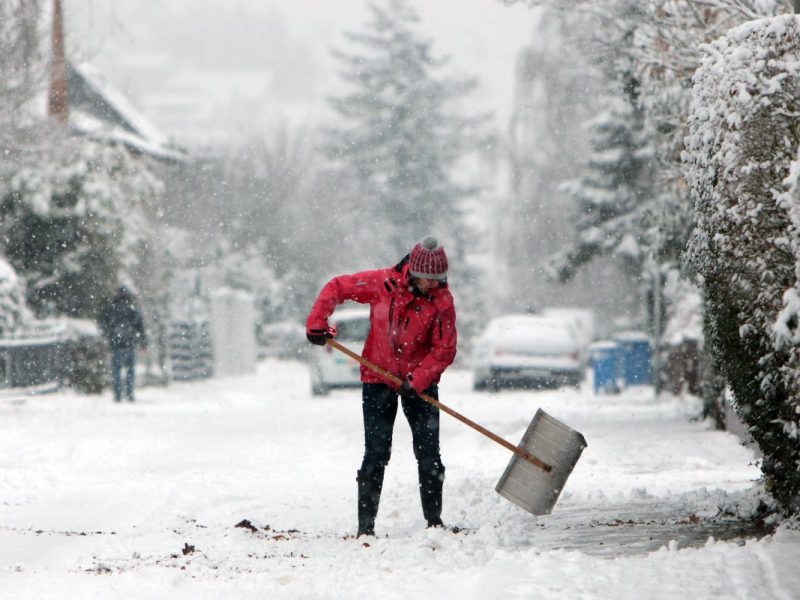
581	319
284	340
527	351
331	368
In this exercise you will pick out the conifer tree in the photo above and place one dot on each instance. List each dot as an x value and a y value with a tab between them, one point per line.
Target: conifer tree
401	133
613	193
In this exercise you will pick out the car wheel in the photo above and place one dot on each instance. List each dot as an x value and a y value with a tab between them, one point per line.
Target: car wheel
319	389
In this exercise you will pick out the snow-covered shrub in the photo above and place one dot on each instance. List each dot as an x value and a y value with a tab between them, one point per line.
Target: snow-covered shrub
71	217
86	353
14	314
744	135
787	324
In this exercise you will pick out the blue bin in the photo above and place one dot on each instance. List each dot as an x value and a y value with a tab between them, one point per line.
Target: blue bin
635	356
606	366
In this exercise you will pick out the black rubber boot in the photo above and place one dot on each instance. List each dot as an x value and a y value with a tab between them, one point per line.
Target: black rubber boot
430	491
369	496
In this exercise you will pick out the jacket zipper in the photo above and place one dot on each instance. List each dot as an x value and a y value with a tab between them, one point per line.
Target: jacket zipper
389	334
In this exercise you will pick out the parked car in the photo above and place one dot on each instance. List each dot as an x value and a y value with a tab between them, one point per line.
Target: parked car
284	339
517	351
331	369
582	319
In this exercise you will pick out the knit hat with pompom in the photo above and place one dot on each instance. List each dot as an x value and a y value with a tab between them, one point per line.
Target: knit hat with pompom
428	260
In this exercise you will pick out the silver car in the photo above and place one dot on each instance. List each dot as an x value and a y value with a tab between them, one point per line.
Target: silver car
517	351
331	369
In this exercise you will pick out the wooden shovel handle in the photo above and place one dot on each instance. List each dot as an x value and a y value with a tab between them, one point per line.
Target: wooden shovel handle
397	381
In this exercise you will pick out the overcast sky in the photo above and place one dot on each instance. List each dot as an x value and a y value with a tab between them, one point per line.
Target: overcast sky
223	68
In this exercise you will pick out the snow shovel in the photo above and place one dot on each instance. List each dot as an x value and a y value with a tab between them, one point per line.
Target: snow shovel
528	481
554	442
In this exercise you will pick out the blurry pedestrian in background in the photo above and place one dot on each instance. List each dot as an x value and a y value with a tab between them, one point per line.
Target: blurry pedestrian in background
123	326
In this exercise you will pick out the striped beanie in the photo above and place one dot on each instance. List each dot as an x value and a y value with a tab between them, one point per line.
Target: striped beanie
428	260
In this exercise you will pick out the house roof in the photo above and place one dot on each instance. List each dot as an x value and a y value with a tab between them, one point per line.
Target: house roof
99	111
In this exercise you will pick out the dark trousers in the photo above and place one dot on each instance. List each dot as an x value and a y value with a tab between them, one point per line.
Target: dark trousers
123	358
379	404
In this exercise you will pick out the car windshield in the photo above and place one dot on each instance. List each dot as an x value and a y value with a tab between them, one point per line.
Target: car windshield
352	329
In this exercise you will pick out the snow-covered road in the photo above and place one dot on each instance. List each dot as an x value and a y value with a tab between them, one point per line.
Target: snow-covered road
99	500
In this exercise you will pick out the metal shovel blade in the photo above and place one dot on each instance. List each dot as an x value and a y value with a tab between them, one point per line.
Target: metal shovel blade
532	488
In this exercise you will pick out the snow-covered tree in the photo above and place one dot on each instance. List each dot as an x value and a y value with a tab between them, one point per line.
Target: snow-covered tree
265	202
402	133
14	313
20	71
633	201
613	193
667	52
273	184
547	142
661	52
741	153
648	53
72	213
21	63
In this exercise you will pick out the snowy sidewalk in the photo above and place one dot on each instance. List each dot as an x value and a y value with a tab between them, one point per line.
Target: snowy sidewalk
99	500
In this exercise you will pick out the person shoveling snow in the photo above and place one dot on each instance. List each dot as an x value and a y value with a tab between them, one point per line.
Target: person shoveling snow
413	335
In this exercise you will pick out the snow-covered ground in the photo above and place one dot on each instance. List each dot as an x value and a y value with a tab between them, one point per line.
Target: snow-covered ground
141	500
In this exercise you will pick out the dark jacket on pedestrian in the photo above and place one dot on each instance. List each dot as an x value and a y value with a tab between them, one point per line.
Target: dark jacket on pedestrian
122	322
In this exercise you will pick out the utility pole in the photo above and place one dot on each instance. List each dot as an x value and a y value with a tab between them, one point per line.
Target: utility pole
57	101
657	306
657	325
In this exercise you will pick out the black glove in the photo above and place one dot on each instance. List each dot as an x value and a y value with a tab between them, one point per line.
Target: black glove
406	391
318	336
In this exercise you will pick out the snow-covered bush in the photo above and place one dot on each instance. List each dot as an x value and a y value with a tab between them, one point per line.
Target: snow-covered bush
85	356
72	217
14	314
743	139
787	324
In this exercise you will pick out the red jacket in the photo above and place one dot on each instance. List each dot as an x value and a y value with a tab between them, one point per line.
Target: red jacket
409	334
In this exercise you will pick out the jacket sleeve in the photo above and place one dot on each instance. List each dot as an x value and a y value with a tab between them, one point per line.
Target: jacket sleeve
359	287
442	353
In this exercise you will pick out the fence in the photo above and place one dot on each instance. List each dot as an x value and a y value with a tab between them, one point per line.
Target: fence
190	350
32	363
